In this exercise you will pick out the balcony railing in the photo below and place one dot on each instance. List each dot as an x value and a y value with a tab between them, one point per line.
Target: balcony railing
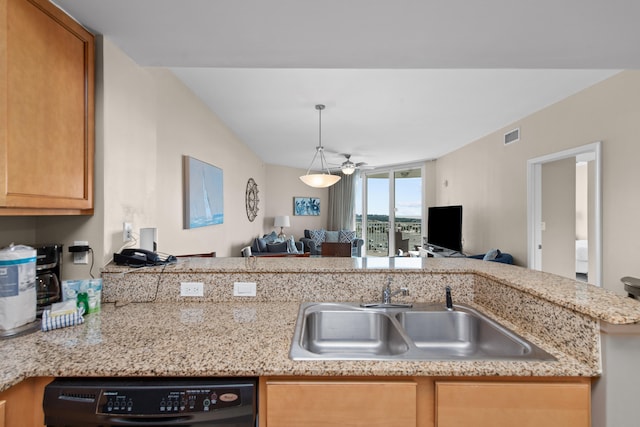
377	243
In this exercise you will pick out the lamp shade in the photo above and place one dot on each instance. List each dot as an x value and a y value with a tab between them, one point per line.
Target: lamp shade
319	180
282	221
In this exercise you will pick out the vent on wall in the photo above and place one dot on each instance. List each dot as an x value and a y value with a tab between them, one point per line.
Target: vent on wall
511	137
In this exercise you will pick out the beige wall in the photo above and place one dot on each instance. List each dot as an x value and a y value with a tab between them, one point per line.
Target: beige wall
129	146
284	184
186	126
489	179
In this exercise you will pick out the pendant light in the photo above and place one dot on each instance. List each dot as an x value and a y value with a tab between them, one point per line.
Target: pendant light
322	179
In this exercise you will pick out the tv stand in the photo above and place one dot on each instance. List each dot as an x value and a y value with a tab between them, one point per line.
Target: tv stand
436	252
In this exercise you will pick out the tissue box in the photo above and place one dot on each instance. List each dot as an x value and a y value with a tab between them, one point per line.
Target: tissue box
71	289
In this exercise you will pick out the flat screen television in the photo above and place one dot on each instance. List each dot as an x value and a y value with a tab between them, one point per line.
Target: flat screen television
444	227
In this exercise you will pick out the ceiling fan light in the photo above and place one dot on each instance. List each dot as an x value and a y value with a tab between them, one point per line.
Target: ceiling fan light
319	180
348	168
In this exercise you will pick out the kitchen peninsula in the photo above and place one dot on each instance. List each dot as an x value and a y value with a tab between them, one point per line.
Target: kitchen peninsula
146	328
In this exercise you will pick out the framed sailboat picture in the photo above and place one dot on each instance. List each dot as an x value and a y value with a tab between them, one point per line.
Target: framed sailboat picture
203	196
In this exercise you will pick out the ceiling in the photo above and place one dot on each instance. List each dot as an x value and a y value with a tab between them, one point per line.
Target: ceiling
402	80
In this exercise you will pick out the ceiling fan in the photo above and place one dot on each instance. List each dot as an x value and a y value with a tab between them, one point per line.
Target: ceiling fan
348	167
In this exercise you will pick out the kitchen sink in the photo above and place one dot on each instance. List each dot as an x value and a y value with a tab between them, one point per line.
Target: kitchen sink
347	331
352	332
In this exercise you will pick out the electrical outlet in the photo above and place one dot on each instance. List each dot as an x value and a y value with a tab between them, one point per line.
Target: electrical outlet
191	289
127	232
244	289
81	257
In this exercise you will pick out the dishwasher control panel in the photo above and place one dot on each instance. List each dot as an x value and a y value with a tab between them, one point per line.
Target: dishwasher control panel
155	401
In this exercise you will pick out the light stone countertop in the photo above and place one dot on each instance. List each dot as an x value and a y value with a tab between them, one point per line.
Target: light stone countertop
217	339
592	301
221	335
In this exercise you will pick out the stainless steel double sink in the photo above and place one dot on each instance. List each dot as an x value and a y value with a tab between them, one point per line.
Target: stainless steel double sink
347	331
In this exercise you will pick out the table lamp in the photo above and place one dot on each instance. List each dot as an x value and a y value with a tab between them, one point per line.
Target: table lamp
281	221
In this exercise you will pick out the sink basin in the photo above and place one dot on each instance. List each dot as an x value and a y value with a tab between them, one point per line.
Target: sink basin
352	332
346	331
462	334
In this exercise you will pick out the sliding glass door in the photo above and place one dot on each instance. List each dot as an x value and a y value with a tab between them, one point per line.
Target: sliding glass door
391	214
408	211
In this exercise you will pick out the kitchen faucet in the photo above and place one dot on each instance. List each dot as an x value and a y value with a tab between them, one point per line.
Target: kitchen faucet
387	293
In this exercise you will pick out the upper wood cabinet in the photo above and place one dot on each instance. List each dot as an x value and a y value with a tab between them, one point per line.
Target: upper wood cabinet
46	111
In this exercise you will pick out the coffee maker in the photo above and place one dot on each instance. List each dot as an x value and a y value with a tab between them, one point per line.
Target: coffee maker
48	279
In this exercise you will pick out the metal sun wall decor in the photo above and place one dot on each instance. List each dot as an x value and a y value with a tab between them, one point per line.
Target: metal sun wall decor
203	193
306	206
251	199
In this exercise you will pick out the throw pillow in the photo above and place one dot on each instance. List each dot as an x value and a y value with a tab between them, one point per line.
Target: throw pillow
347	236
270	238
317	236
259	245
291	246
331	236
277	247
491	255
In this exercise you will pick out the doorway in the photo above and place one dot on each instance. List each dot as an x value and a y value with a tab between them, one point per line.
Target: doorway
564	232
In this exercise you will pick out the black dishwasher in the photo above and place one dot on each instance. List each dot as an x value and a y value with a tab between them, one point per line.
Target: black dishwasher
106	402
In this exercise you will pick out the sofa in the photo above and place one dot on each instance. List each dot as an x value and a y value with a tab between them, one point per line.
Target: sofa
270	245
313	240
494	255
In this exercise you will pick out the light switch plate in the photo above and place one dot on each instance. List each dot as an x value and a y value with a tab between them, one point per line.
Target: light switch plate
244	289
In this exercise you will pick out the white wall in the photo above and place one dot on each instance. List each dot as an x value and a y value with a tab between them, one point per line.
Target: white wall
489	179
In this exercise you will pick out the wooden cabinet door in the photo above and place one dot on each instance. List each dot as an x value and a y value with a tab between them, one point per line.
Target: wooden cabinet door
46	110
341	403
23	403
2	421
487	404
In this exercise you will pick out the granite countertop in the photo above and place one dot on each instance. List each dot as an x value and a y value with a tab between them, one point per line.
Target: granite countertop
217	339
598	303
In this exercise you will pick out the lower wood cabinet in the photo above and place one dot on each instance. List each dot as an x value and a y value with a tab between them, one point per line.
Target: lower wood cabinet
424	402
340	403
23	403
498	404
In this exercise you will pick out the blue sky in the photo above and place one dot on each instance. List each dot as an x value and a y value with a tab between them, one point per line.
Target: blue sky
408	197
